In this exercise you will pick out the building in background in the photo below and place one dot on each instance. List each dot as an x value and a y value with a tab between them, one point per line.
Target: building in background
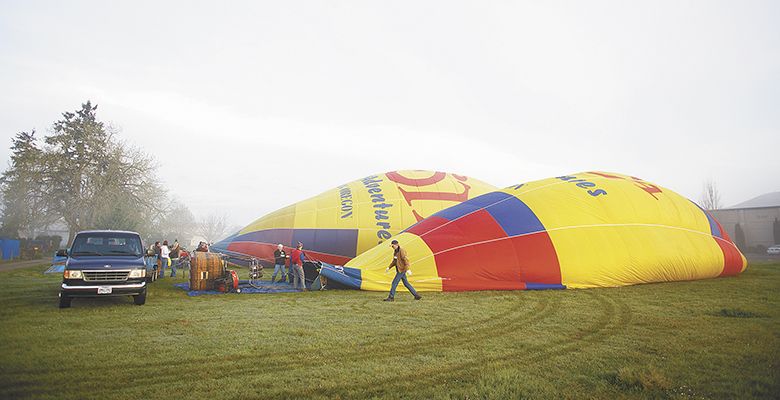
756	219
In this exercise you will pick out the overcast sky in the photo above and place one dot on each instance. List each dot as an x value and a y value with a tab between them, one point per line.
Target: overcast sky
252	106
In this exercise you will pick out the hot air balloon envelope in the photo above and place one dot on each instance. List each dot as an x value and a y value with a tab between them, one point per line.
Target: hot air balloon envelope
341	223
585	230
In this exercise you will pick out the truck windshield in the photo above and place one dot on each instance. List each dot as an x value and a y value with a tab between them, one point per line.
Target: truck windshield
106	244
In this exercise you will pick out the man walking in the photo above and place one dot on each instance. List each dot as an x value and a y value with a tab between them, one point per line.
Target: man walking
401	264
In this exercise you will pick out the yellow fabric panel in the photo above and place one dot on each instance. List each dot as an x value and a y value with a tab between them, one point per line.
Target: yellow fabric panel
558	203
366	212
619	230
424	276
284	217
619	255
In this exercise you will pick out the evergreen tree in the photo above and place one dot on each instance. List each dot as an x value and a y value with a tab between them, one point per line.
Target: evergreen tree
24	206
83	176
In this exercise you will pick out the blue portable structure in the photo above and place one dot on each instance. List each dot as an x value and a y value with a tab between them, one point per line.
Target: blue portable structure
9	248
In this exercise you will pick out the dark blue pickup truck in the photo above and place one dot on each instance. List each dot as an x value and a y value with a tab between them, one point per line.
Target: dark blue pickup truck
104	263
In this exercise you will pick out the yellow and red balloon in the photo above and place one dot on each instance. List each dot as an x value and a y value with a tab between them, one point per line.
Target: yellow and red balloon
585	230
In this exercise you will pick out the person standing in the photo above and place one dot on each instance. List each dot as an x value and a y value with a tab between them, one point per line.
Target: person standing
203	247
151	261
160	270
297	257
165	259
174	254
401	264
280	259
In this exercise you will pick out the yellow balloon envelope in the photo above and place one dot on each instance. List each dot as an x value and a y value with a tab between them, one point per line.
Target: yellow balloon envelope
341	223
585	230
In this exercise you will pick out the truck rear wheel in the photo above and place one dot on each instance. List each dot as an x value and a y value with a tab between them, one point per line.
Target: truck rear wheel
140	299
65	301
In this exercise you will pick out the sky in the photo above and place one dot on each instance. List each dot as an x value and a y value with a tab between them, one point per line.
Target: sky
251	106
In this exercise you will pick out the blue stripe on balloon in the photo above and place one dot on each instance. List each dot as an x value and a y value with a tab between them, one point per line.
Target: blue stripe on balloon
714	230
469	206
544	286
339	242
515	217
349	277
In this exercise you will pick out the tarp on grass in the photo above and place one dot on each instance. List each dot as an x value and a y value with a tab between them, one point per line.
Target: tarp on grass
265	287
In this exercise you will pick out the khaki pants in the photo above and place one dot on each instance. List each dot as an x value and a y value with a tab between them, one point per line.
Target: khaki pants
298	278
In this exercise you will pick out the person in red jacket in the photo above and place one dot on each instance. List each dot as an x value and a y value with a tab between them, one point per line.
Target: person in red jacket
297	257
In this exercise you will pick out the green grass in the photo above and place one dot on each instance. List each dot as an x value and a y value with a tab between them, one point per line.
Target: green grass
717	338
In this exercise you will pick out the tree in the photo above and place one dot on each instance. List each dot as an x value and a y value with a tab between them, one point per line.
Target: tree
24	205
739	237
213	227
177	222
82	176
92	180
710	197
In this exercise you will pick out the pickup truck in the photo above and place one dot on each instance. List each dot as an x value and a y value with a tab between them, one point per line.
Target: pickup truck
104	263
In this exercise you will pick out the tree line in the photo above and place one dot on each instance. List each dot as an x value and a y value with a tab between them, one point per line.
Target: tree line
84	176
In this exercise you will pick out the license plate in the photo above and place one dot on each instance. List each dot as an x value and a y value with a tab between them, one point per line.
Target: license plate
104	289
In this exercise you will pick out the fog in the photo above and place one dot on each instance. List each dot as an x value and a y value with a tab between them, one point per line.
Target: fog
249	107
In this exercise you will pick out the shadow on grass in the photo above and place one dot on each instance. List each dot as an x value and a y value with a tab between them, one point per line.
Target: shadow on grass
737	313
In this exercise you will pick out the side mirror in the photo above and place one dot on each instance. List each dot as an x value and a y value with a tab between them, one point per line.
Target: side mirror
150	253
62	253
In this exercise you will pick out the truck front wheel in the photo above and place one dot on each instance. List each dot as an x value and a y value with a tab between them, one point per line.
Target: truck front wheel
64	301
140	299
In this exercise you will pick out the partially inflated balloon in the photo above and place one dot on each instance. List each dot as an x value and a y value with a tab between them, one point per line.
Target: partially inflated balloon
585	230
343	222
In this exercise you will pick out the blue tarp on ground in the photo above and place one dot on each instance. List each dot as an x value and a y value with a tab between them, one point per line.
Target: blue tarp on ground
55	269
264	287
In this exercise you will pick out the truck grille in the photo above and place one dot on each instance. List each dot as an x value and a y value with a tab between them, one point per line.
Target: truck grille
105	275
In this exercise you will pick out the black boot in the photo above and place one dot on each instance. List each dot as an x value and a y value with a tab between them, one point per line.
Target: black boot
418	297
389	299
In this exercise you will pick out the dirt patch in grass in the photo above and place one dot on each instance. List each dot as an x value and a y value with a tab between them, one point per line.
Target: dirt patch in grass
637	378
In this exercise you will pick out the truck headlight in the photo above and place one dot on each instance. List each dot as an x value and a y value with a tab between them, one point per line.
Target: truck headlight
72	274
137	273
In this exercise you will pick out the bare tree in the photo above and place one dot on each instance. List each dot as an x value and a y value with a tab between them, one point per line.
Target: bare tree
177	222
213	227
710	197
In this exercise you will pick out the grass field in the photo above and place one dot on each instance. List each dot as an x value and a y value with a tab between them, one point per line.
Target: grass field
716	338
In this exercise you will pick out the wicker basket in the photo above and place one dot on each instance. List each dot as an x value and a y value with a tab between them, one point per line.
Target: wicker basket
206	269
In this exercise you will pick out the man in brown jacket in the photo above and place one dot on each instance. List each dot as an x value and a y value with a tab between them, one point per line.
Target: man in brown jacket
401	264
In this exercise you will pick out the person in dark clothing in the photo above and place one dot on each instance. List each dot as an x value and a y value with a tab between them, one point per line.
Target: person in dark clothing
280	259
401	264
157	252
